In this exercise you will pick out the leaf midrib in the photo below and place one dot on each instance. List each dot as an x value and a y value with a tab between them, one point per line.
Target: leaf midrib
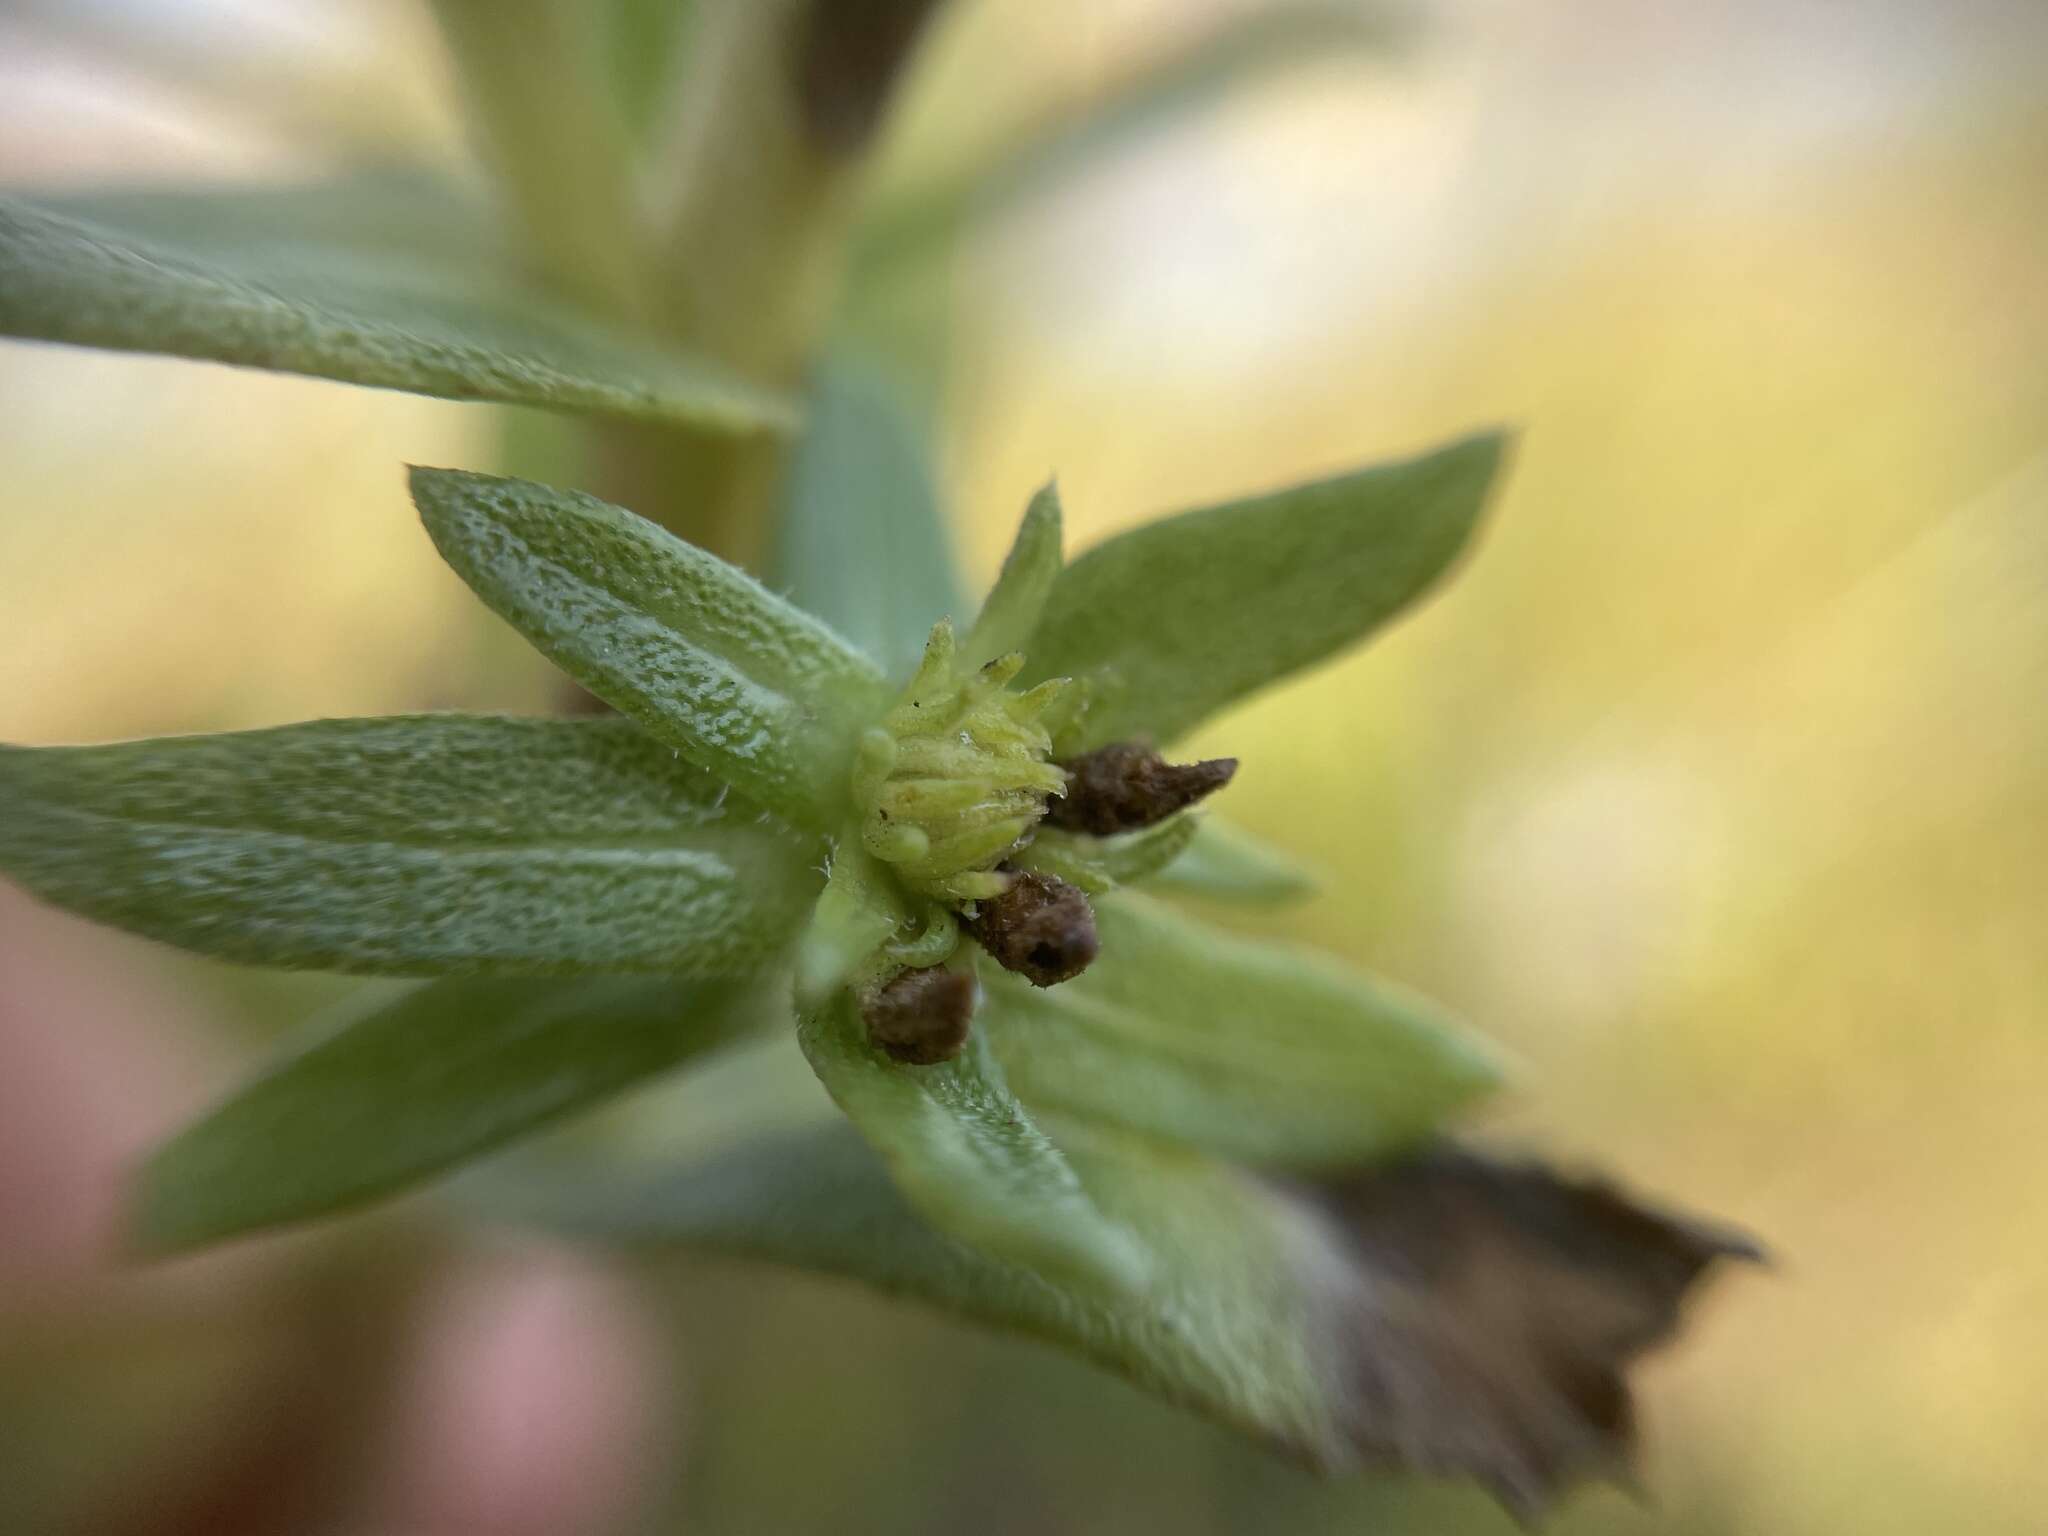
758	671
481	841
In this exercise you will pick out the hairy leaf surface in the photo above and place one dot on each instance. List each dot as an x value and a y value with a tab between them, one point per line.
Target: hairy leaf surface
1184	616
744	684
411	846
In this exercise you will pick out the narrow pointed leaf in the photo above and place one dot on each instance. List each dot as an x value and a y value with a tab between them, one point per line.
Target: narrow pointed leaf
967	1156
1225	863
1258	1051
387	322
399	228
388	1092
410	846
1182	617
744	684
1010	614
1099	865
1446	1314
1227	1327
861	541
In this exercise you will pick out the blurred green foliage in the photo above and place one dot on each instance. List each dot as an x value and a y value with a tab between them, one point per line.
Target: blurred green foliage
1718	792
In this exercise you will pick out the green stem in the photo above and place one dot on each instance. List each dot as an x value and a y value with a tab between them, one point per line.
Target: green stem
737	254
761	160
535	81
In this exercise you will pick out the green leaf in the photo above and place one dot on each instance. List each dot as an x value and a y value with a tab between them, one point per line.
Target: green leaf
1011	612
386	1093
860	907
967	1156
1231	1324
1262	1052
861	541
1447	1314
742	683
361	314
410	846
1099	865
388	227
1223	862
1188	614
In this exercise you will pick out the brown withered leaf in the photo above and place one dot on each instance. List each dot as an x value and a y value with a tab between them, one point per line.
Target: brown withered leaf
1492	1314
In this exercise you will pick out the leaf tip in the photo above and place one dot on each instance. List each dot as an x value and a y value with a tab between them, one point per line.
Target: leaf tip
150	1225
1044	529
1471	1067
432	488
1478	461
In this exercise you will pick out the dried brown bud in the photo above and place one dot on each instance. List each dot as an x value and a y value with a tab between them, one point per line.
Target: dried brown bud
1041	927
1126	785
921	1016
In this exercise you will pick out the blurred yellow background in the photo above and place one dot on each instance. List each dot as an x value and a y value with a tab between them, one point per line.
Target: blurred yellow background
1715	785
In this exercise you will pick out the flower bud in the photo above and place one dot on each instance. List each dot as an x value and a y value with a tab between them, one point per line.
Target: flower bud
957	775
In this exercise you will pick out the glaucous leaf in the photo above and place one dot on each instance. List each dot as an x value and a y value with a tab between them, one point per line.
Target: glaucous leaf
1010	613
404	229
1227	1325
1223	862
861	540
387	1092
1181	617
967	1155
742	683
411	846
382	321
1258	1051
1445	1314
